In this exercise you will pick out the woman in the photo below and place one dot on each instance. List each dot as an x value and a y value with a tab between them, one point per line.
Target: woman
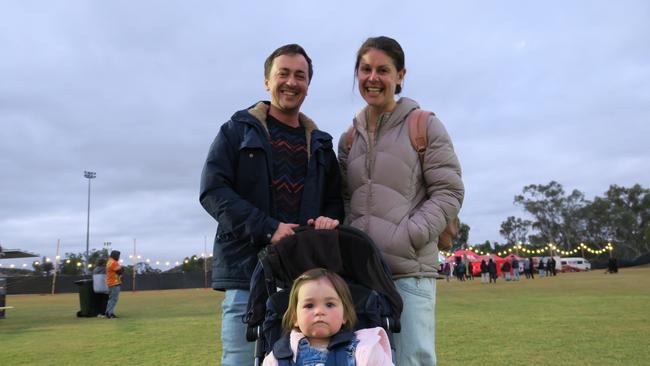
484	272
402	204
100	288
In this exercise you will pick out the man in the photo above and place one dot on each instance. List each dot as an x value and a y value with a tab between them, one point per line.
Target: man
515	268
268	171
114	282
492	269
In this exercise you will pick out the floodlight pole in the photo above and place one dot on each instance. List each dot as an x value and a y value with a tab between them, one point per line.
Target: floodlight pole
89	176
135	264
56	265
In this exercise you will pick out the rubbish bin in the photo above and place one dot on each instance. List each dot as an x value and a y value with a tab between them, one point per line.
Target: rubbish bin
3	296
86	298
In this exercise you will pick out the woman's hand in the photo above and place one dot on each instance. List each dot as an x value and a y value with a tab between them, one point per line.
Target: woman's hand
323	222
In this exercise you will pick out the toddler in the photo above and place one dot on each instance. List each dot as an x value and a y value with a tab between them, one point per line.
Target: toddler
319	324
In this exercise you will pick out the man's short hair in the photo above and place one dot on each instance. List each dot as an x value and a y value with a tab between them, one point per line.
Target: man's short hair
289	49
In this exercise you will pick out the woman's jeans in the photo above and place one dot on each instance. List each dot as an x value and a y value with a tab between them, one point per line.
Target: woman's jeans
415	344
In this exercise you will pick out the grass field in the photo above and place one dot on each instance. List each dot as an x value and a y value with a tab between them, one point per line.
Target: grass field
572	319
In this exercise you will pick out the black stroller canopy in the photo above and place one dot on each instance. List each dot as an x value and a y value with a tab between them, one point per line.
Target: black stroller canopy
346	251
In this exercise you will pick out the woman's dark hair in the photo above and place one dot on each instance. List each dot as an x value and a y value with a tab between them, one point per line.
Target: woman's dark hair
387	45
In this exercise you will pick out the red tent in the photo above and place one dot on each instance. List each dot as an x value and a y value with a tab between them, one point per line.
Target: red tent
468	256
465	254
475	260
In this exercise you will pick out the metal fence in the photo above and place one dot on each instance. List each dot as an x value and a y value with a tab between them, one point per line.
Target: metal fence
159	281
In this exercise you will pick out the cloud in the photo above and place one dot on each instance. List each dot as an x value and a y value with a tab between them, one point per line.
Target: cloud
137	91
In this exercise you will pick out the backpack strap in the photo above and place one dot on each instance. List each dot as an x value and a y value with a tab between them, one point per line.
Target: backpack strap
417	125
417	122
349	137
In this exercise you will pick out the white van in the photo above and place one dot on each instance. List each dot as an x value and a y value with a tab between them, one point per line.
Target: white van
575	264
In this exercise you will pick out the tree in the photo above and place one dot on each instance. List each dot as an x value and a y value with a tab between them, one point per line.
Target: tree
622	217
44	267
515	230
95	254
459	241
195	264
555	215
485	247
140	268
72	264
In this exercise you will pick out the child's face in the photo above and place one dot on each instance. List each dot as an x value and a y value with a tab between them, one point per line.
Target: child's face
320	311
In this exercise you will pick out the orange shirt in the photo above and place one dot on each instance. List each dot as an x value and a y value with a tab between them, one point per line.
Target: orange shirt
112	278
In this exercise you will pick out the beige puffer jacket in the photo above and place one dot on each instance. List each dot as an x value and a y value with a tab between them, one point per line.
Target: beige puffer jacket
386	196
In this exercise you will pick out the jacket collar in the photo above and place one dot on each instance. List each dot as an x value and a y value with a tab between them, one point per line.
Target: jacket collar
403	107
259	112
282	348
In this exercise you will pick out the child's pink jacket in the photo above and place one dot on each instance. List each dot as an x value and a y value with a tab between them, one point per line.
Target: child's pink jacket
373	348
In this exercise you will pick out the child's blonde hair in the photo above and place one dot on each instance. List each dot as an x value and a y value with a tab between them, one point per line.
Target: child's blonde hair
291	315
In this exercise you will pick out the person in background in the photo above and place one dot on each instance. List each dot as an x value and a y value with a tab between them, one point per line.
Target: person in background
492	268
402	203
446	269
114	282
505	270
485	275
460	269
551	266
532	268
612	265
515	268
100	288
268	171
541	268
470	270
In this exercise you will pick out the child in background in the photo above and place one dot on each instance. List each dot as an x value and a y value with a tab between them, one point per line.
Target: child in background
318	325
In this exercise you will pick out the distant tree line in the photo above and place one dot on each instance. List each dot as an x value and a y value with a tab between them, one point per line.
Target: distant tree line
621	216
72	264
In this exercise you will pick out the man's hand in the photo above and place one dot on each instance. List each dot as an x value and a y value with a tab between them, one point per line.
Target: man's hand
283	231
323	222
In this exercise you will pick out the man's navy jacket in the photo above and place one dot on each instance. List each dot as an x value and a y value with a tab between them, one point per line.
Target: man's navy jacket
236	190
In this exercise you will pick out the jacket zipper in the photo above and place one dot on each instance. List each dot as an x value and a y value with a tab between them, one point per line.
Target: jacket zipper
370	161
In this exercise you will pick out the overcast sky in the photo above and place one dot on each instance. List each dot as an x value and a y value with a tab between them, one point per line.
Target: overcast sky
136	90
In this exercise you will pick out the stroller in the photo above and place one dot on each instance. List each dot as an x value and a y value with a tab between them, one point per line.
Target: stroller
346	251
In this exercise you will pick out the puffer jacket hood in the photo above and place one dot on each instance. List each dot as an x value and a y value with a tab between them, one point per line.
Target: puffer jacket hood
387	196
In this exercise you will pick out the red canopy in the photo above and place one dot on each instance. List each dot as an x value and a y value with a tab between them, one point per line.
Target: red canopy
469	254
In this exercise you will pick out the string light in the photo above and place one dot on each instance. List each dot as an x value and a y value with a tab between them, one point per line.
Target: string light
80	264
549	247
